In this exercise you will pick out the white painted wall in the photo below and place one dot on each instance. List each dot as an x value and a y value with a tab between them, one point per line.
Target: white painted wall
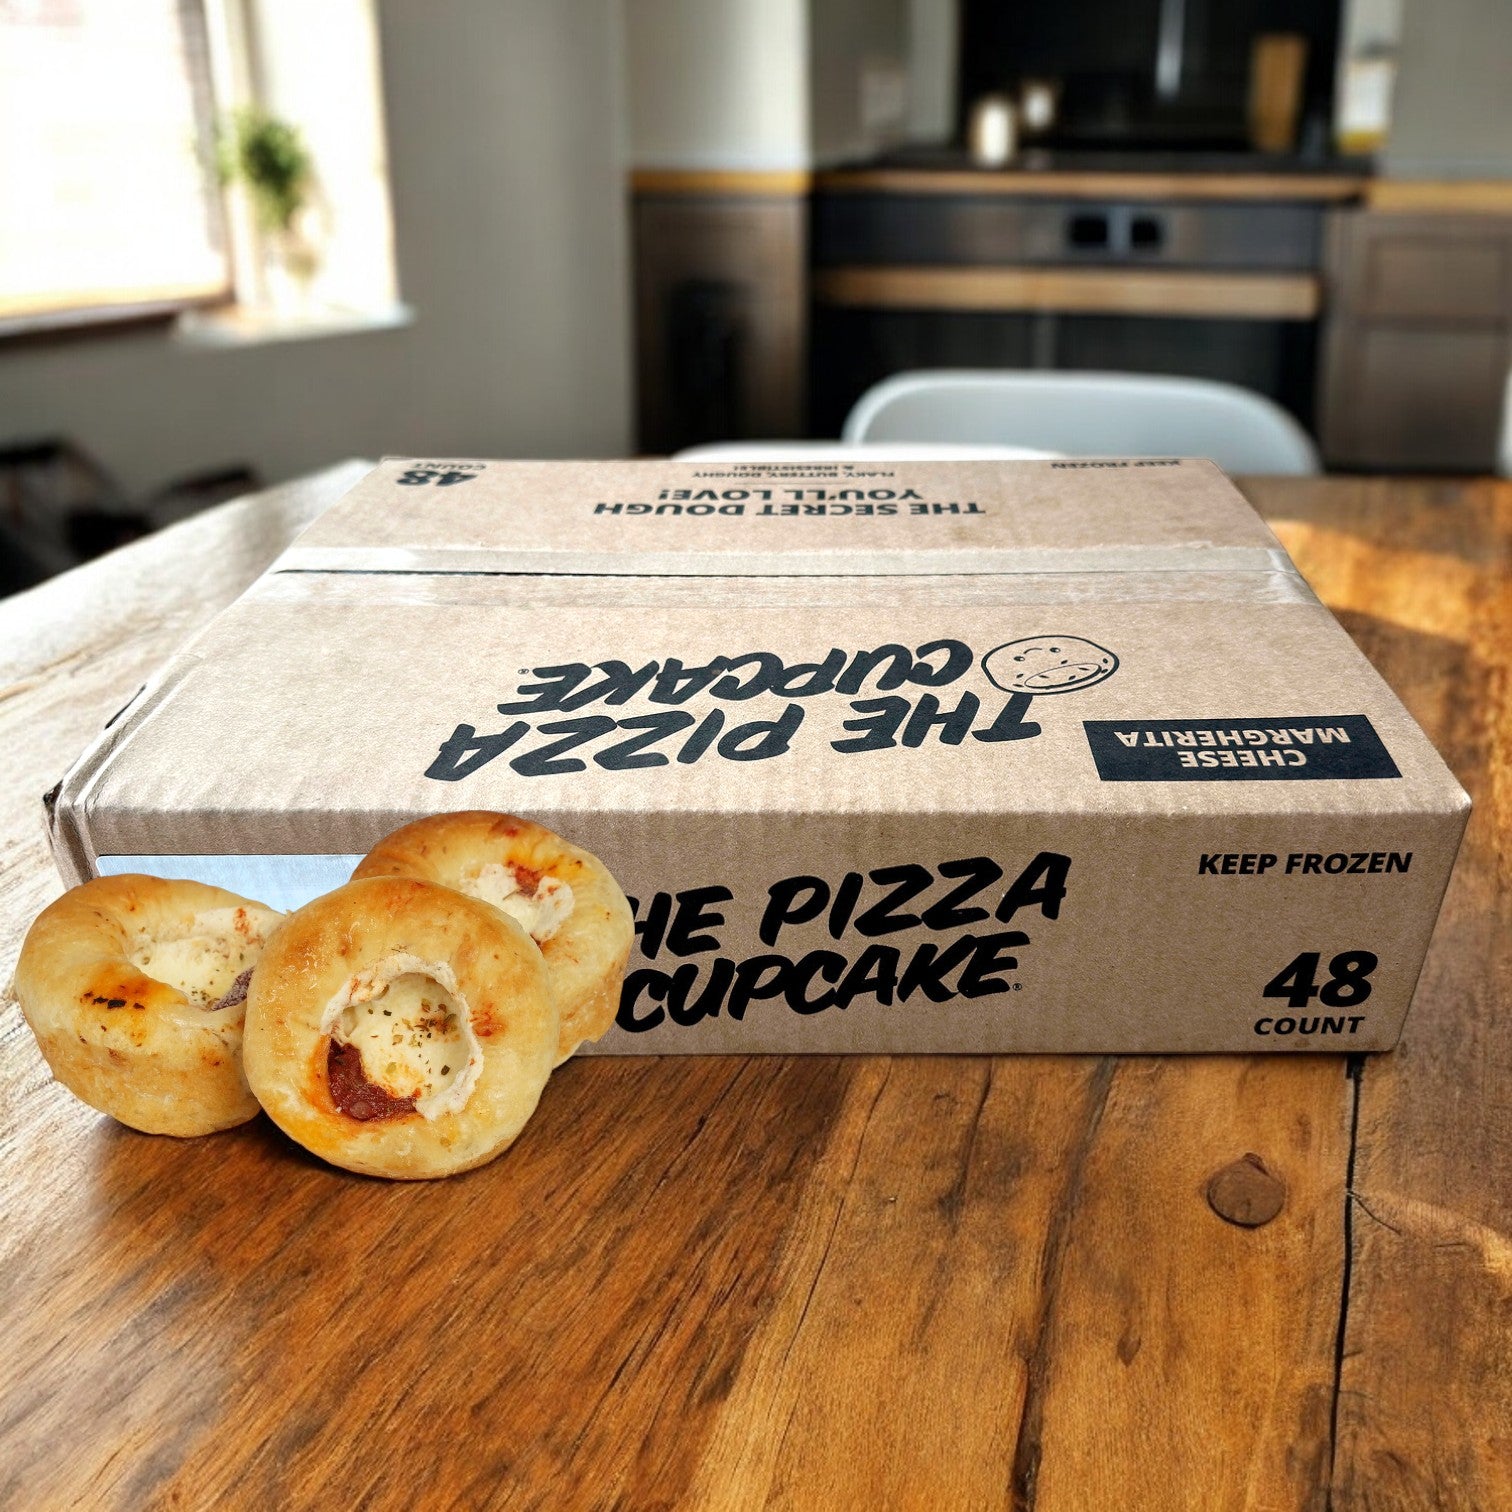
506	152
1371	24
858	76
781	84
1451	109
717	83
934	28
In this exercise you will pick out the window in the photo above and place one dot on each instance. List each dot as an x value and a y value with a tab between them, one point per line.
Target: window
316	66
110	201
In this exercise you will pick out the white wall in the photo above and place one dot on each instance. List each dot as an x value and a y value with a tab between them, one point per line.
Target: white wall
780	84
934	57
1370	24
858	76
506	153
1451	109
717	83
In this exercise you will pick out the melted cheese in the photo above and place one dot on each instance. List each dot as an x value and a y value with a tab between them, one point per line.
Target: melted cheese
410	1024
540	913
202	964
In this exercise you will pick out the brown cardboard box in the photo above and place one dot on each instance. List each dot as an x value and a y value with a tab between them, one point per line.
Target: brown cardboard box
892	757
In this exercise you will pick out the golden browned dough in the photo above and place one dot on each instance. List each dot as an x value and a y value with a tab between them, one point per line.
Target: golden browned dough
563	896
399	1028
135	988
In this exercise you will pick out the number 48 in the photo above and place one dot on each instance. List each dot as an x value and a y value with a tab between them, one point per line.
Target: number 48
417	476
1348	982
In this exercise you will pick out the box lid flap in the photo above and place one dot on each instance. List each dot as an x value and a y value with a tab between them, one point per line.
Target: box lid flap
688	519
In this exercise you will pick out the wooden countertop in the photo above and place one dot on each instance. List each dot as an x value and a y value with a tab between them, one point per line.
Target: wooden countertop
1085	184
1006	288
1023	183
1415	196
730	1283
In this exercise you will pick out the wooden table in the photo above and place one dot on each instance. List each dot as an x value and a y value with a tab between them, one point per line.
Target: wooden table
936	1283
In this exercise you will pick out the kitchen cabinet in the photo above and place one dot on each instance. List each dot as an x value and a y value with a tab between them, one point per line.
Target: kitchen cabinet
1417	341
720	303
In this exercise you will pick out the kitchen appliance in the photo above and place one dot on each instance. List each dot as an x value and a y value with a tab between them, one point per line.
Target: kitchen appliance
912	245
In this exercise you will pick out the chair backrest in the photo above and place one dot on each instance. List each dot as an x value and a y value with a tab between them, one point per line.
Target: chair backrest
1087	414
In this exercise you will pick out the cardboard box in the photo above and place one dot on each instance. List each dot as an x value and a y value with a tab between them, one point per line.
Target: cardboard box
892	756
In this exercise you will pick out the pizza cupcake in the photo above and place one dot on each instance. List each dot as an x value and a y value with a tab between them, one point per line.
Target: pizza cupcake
399	1028
560	894
135	988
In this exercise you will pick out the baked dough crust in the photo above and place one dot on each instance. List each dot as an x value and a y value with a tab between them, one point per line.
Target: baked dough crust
356	934
149	1054
586	956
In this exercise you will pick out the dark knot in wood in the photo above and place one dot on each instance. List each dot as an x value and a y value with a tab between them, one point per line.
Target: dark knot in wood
1246	1192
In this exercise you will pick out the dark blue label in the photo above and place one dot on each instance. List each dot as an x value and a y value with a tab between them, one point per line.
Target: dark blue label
1289	748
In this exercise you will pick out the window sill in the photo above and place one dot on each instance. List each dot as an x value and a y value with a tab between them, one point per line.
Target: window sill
243	326
87	321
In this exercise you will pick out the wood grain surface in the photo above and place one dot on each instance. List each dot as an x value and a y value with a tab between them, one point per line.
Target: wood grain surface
799	1282
1439	196
1422	578
740	182
1082	184
1102	291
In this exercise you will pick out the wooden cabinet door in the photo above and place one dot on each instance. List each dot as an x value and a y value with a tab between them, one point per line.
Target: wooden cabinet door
721	315
1418	341
1414	398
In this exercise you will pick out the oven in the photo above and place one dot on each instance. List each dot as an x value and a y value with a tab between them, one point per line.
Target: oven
1212	287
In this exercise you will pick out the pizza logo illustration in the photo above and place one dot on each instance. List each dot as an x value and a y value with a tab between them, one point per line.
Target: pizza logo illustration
1045	664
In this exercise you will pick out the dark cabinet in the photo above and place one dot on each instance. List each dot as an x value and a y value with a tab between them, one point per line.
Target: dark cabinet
1418	341
719	299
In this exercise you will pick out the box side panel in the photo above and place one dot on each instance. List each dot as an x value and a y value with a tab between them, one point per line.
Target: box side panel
1033	933
971	934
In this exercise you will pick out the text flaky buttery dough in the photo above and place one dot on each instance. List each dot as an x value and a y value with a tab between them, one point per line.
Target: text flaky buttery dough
888	756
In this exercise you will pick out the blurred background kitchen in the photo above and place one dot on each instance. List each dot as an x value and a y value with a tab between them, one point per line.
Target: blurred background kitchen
243	239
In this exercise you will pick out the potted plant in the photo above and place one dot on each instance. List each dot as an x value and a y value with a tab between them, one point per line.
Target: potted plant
268	157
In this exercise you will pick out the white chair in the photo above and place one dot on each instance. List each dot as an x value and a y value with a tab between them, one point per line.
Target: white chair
863	451
1086	415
